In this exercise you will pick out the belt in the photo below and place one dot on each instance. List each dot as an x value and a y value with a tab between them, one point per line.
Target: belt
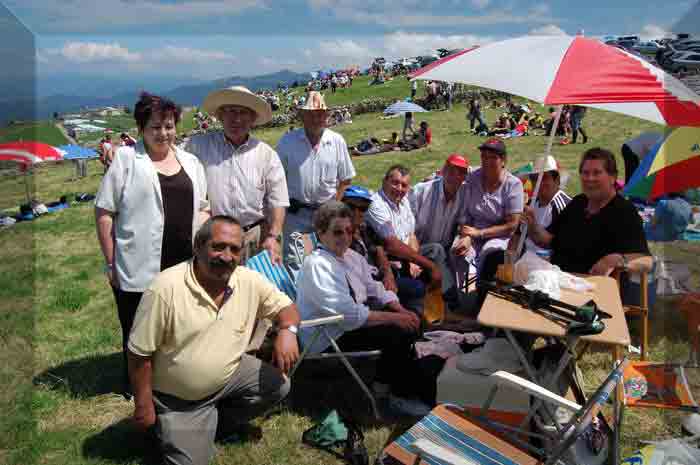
296	205
252	225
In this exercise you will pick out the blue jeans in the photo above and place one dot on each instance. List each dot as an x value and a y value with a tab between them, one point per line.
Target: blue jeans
411	293
476	117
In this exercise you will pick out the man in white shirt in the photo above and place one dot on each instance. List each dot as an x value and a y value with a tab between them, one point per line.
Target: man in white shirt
244	175
436	205
318	168
391	218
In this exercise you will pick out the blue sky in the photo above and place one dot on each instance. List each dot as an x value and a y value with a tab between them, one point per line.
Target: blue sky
182	40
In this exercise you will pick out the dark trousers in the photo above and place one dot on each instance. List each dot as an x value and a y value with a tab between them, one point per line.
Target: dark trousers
397	362
631	161
127	303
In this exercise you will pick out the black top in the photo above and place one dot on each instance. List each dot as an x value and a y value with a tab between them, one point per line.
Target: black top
178	207
580	241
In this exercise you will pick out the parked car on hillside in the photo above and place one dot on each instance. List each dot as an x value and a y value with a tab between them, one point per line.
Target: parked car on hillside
684	62
650	47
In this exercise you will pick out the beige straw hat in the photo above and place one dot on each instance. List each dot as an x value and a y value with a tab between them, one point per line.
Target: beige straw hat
239	95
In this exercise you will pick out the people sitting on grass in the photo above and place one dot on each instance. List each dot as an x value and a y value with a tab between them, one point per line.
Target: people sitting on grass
422	138
492	209
503	125
334	280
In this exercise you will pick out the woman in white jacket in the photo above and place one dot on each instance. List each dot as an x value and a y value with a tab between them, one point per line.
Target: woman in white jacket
149	206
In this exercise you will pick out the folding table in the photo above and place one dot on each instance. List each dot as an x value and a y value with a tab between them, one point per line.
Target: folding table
511	317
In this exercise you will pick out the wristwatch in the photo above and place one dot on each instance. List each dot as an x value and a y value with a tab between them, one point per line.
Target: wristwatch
277	237
293	328
624	262
109	267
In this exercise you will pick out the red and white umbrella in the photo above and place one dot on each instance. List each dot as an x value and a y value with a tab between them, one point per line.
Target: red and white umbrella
577	70
29	153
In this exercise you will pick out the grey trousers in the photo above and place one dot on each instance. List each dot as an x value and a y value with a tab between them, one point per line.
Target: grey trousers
186	429
299	222
436	253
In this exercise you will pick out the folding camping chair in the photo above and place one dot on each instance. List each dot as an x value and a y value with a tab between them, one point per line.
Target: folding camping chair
449	436
279	276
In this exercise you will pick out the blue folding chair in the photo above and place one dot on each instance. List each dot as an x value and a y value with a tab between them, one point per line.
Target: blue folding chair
281	278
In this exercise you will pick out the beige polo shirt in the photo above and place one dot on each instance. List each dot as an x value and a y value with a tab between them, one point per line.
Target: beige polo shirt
195	346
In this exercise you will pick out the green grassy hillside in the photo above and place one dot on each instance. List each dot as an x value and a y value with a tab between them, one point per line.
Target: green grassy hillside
60	336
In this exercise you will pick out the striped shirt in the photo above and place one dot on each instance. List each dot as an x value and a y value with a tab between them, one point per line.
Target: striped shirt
436	219
544	215
243	181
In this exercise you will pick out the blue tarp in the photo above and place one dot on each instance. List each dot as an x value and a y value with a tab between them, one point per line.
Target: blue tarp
75	152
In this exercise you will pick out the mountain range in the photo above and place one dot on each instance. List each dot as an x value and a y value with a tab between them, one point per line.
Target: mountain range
187	94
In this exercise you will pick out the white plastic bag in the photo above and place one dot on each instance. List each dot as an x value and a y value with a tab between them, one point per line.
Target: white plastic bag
669	452
546	281
528	263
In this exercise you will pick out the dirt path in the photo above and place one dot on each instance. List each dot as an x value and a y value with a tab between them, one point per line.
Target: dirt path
65	133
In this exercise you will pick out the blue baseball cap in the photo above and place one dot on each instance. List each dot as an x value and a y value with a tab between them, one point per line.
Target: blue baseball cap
357	192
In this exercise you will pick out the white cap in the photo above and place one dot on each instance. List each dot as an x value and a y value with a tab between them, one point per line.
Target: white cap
544	164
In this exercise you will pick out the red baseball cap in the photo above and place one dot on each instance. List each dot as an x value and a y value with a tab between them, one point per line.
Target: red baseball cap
457	160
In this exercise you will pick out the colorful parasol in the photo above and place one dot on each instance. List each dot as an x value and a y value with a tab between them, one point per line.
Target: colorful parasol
672	165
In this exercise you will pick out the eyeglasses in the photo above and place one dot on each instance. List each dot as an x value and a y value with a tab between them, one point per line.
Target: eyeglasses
362	208
341	232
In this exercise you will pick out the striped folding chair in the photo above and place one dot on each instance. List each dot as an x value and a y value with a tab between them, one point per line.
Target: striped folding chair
451	436
281	278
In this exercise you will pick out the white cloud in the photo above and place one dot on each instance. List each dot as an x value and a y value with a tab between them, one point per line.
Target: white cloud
403	44
653	31
93	52
186	55
548	30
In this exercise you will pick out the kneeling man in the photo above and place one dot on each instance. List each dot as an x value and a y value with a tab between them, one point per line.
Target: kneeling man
187	360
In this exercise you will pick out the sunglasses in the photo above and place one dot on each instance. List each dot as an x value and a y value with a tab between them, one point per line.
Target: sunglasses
342	232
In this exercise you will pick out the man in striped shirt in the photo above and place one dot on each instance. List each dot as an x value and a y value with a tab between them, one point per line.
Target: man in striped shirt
245	177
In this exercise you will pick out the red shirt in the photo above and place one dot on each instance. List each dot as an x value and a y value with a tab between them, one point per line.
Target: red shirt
428	136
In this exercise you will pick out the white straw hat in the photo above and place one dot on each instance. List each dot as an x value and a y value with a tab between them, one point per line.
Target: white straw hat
314	102
239	95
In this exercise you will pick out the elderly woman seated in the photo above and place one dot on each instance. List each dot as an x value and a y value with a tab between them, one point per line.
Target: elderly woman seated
337	280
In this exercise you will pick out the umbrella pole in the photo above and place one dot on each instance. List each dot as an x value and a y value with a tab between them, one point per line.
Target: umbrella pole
536	191
26	186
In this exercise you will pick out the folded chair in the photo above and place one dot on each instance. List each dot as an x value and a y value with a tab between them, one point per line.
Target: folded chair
279	276
448	435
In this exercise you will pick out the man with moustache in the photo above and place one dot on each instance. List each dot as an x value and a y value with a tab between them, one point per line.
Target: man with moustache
187	363
245	178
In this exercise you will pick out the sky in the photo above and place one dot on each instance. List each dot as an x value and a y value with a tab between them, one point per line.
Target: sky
118	42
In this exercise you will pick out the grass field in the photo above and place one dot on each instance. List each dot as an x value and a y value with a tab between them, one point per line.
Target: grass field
44	131
61	338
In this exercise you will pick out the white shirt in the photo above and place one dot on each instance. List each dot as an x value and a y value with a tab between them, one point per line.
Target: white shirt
323	289
313	174
131	190
389	219
243	181
544	215
436	220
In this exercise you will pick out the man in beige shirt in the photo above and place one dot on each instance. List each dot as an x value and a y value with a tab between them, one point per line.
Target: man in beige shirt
245	178
187	362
